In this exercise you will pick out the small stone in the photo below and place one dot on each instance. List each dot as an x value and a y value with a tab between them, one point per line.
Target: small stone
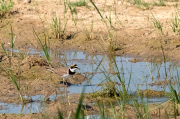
133	60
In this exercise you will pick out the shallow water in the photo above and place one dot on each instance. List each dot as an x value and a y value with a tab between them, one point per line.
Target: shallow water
141	72
137	75
33	107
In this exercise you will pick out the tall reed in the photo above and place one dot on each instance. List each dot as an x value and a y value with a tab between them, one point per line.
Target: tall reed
9	69
59	27
157	25
175	23
45	45
12	41
111	31
11	75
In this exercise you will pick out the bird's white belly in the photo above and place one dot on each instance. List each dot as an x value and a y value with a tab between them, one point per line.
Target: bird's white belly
66	76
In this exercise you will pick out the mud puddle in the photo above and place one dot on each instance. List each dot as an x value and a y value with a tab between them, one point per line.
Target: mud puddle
144	75
35	106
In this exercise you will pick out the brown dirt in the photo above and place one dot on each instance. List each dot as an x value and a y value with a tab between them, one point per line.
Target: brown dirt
162	83
129	113
162	110
136	36
17	116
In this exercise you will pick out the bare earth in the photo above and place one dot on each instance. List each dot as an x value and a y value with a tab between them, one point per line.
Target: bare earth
135	36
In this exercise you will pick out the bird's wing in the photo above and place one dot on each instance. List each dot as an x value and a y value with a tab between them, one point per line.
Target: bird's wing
50	69
61	71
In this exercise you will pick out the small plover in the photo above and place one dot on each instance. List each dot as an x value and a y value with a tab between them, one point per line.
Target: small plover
64	72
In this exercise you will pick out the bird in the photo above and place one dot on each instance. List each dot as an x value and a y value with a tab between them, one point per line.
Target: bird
64	72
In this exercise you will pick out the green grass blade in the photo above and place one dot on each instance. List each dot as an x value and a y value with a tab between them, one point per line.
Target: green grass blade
4	51
97	9
60	115
78	110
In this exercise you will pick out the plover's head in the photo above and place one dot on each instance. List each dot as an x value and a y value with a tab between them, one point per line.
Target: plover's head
73	67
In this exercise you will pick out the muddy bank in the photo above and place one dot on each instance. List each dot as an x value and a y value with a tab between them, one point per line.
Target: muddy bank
152	93
32	77
155	111
68	104
13	116
130	111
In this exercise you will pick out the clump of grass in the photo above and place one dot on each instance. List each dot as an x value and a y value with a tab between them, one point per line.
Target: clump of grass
160	3
175	23
112	42
5	7
9	70
78	3
23	55
140	4
89	34
171	0
59	24
142	110
44	46
157	25
58	27
108	92
11	75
